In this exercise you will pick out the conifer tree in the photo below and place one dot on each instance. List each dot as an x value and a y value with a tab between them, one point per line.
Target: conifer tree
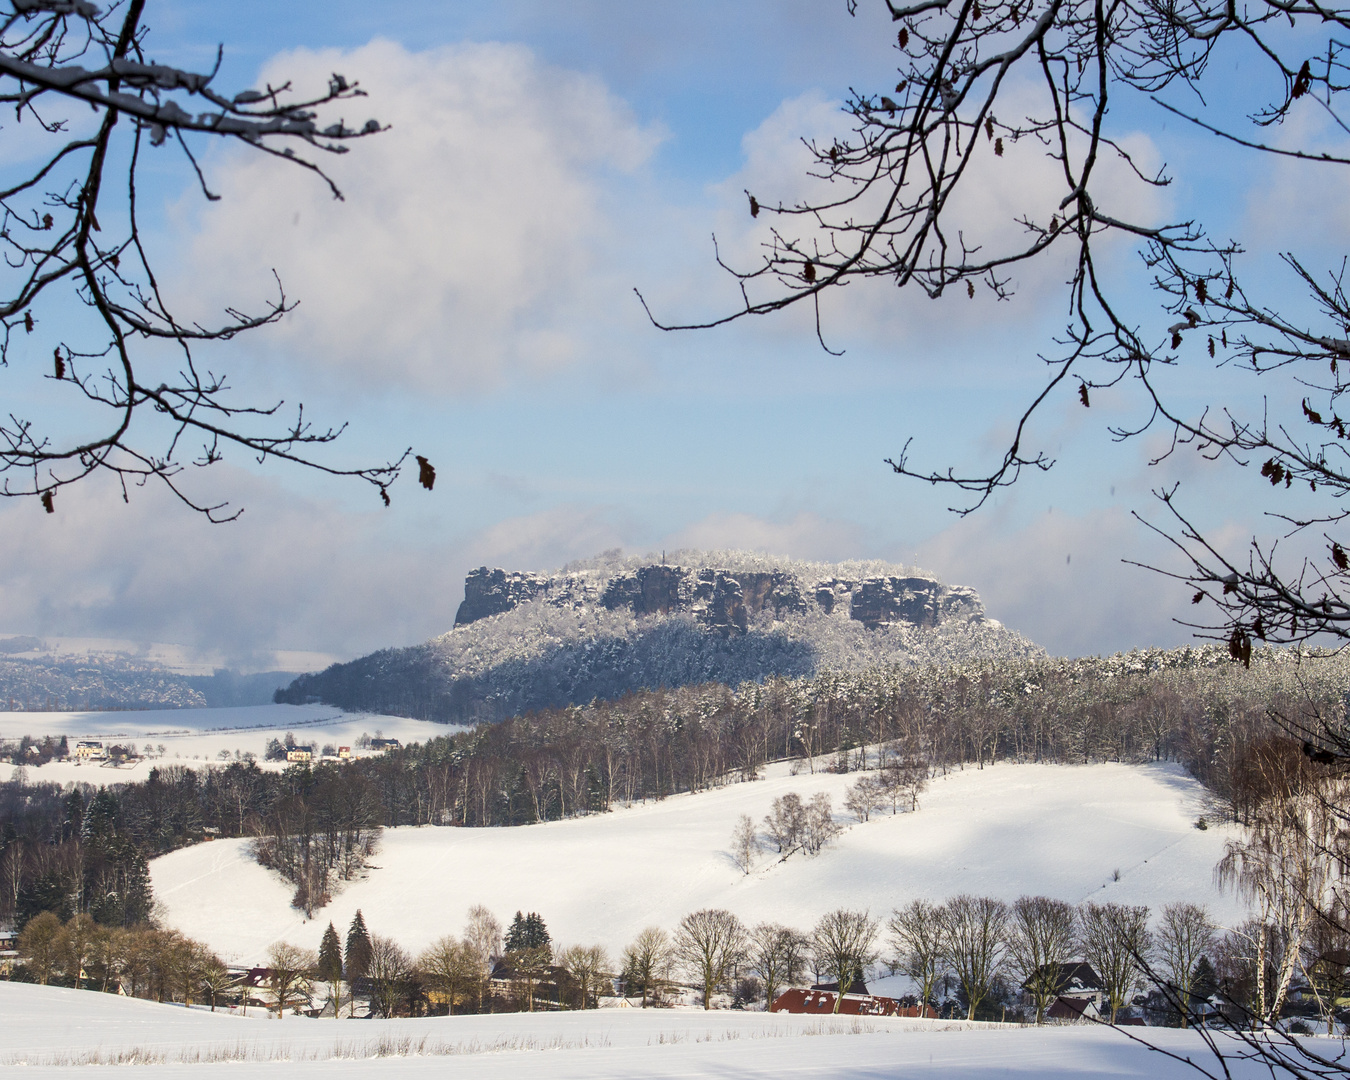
358	948
330	966
527	932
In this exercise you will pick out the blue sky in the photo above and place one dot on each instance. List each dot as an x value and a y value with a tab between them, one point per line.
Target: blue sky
473	297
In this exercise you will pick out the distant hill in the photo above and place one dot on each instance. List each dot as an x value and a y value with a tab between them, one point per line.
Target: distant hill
612	625
101	681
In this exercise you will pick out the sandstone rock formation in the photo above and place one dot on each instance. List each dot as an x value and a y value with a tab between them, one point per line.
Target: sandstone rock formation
721	598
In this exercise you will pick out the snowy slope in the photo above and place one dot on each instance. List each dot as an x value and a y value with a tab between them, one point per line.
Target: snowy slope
196	736
1006	830
50	1032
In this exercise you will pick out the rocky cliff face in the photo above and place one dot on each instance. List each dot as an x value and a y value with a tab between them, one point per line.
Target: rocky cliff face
722	599
608	626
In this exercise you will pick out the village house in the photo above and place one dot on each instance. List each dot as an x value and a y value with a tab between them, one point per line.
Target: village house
9	951
1078	990
815	1002
90	750
300	753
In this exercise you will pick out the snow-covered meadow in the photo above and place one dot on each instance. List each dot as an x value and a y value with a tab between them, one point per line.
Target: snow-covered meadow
196	737
1093	832
57	1033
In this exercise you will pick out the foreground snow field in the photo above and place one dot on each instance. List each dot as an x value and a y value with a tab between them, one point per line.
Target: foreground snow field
1062	831
196	736
57	1033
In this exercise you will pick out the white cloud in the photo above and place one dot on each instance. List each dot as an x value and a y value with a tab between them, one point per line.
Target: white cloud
1061	581
805	535
469	227
292	573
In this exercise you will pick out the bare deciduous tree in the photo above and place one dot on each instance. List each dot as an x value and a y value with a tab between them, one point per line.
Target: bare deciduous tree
975	937
918	944
287	977
843	943
820	827
1289	866
40	943
777	954
483	937
389	971
450	967
588	965
77	946
1184	934
1041	936
905	779
646	962
745	844
216	980
1115	940
100	110
710	943
786	822
865	795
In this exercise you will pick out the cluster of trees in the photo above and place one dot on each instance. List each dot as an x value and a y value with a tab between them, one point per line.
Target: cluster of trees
982	947
84	864
142	960
974	956
985	958
81	849
322	831
482	969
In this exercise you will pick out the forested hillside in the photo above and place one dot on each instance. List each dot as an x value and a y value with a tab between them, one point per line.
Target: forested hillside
37	680
613	626
1194	706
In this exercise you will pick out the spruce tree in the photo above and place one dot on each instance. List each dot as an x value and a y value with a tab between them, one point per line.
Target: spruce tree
536	933
358	948
330	965
514	940
527	932
1204	983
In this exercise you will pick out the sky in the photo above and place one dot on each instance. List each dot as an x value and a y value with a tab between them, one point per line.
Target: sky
473	297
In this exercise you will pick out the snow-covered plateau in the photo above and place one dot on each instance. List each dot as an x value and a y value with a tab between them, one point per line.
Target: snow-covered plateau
1101	832
54	1032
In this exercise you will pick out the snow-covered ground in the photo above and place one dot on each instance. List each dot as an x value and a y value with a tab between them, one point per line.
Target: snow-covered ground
197	736
1096	832
54	1032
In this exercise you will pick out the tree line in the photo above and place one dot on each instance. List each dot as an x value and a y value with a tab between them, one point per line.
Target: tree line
971	956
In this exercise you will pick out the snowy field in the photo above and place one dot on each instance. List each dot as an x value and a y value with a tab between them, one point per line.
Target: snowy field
197	736
54	1033
1062	831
